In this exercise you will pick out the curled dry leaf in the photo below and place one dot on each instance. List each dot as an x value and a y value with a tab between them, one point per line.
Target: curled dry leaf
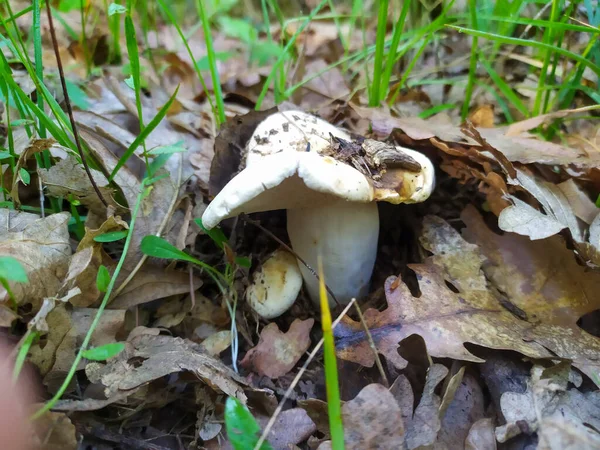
42	247
373	419
549	402
277	353
147	358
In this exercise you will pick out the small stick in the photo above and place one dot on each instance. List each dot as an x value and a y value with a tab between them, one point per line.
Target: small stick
372	345
289	249
290	389
69	108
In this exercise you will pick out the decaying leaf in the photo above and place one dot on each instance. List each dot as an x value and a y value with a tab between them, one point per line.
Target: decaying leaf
147	358
373	420
82	274
42	247
481	436
548	402
277	352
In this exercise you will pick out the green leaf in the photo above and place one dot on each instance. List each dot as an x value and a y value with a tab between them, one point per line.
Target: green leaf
168	149
21	122
104	352
69	5
129	82
77	96
25	177
115	8
11	269
263	52
102	279
242	429
243	261
5	154
203	64
216	234
111	236
159	248
238	29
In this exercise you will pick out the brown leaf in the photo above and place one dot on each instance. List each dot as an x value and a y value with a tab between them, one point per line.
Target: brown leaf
373	420
521	127
276	352
425	423
483	116
151	283
56	432
67	178
83	271
147	358
42	247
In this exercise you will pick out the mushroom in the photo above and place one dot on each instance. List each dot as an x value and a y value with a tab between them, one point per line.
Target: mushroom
275	286
329	186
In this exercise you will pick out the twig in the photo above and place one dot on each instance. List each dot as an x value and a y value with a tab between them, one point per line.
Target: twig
289	249
289	390
69	108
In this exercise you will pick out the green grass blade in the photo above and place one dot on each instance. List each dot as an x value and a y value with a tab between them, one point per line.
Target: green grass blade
37	52
392	58
506	90
374	96
334	404
144	133
286	49
472	63
214	74
529	43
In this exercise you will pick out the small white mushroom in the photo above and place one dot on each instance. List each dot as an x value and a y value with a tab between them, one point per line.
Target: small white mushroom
330	205
275	286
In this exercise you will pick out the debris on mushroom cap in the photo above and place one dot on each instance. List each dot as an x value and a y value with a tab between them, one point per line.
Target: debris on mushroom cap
275	285
291	131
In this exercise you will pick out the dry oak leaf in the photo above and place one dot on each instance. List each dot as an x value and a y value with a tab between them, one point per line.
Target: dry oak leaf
147	358
373	419
42	247
535	294
541	280
547	399
277	353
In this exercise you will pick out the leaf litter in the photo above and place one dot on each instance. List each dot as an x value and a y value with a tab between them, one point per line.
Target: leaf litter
501	280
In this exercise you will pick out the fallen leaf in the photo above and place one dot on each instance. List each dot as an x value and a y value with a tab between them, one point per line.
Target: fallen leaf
373	420
539	293
148	358
580	203
151	283
425	423
444	318
481	436
217	342
55	431
276	352
518	128
548	397
82	274
483	116
466	407
524	219
42	247
68	179
559	433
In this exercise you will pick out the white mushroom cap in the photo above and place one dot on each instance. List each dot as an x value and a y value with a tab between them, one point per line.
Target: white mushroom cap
275	285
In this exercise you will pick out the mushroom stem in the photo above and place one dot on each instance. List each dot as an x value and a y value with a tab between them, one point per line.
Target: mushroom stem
345	235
